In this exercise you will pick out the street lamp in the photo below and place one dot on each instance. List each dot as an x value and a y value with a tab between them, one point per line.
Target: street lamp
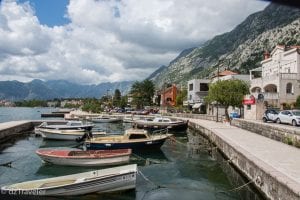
217	120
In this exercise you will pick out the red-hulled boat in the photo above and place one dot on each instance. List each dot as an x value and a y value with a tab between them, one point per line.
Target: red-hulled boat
85	158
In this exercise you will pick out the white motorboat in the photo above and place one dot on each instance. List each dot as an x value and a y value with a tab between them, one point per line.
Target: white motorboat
105	119
65	134
84	158
69	125
100	181
161	123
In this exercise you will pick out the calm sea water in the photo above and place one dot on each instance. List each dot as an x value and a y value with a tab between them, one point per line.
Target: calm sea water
186	169
19	113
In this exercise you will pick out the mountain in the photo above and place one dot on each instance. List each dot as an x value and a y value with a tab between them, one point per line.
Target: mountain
240	49
37	89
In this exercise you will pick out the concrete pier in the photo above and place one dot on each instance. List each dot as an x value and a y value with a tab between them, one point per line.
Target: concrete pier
274	167
9	130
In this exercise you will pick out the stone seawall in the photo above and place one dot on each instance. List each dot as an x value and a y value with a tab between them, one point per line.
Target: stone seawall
282	133
272	183
9	130
197	116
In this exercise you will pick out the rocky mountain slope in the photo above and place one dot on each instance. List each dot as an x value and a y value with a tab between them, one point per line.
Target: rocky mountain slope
37	89
240	49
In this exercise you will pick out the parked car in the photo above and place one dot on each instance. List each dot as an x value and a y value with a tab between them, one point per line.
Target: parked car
234	114
289	117
270	115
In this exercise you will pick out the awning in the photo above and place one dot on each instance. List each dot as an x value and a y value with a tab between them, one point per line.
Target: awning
197	105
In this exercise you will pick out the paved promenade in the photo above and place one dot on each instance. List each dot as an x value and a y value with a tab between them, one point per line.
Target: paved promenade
277	159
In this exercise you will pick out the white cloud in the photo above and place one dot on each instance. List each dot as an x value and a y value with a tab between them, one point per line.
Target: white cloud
110	40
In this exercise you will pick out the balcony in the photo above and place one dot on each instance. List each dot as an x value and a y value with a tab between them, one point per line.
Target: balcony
289	76
273	79
268	95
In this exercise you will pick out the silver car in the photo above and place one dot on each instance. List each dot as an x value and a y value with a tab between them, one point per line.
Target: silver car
289	117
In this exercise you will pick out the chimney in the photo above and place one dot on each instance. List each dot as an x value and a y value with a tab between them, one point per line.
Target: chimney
266	55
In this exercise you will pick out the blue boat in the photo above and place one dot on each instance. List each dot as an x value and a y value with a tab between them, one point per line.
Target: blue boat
133	139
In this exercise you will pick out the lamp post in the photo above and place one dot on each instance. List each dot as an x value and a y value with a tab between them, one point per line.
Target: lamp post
217	120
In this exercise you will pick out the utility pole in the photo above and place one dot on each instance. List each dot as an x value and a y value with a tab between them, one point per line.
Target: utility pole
217	96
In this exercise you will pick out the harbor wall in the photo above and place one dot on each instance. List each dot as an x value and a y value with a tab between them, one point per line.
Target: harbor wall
273	187
9	130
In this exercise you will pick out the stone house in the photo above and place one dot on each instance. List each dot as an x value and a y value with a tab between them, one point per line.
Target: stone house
277	81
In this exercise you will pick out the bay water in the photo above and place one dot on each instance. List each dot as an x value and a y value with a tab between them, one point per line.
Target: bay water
188	167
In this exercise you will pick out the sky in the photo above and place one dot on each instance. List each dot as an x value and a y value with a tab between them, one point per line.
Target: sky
95	41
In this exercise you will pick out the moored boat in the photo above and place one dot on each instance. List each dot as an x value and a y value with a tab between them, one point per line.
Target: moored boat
69	125
84	158
161	123
100	181
65	134
105	119
135	139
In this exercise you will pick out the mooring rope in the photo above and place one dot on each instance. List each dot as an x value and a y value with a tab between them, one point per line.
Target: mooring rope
173	139
237	188
158	187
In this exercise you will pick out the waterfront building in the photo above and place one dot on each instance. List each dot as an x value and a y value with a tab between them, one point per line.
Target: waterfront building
277	81
197	91
168	96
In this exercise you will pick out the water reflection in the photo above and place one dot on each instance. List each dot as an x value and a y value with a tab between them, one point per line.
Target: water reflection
201	149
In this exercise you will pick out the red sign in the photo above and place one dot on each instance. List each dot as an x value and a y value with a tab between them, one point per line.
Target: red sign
250	101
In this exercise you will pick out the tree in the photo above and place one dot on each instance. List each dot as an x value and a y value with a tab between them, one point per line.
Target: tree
117	98
142	93
228	93
297	104
181	97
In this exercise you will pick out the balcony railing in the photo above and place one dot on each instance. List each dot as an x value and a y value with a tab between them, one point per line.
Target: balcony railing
274	78
289	76
268	95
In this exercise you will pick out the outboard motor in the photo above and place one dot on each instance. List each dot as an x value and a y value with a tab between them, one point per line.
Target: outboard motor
87	134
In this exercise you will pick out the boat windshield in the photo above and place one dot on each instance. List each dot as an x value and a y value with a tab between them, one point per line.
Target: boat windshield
137	136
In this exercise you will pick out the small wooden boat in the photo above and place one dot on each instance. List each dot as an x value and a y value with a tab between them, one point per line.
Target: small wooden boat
65	134
132	139
100	181
85	158
105	119
161	123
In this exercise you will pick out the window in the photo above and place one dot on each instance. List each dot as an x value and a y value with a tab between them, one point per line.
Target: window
203	86
289	88
190	97
137	136
191	87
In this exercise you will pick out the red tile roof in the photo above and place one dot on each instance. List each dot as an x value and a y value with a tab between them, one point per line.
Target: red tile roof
227	72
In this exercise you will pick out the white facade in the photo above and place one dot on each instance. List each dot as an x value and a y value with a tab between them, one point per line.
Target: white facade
280	77
197	90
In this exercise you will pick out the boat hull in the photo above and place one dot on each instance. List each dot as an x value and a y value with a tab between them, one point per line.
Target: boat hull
91	161
155	126
151	144
61	135
113	179
105	120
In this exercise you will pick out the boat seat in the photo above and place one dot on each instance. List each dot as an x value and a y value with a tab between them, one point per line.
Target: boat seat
79	180
57	183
